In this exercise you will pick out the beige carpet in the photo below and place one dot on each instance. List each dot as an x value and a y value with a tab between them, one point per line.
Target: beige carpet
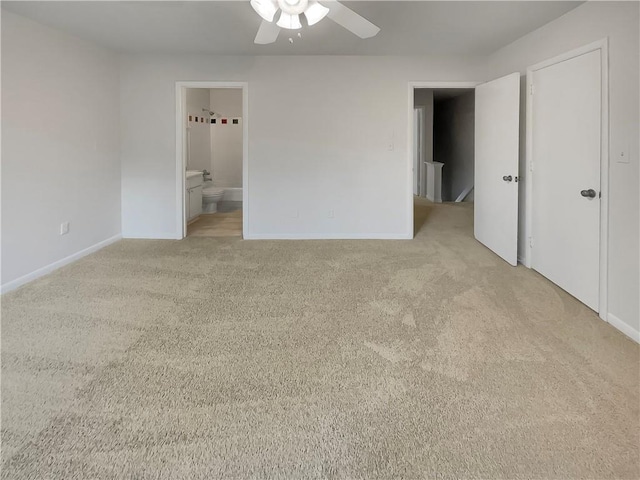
222	358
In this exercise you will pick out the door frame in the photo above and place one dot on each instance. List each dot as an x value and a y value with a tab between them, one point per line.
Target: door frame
419	145
603	46
181	124
410	127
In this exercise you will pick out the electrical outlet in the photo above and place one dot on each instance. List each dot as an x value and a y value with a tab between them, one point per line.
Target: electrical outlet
295	214
64	228
331	214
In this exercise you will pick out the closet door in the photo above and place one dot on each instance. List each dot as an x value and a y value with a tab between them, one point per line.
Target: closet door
566	146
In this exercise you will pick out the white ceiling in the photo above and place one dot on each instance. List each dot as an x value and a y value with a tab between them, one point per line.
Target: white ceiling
228	27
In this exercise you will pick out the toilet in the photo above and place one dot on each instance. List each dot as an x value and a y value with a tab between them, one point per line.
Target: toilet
210	197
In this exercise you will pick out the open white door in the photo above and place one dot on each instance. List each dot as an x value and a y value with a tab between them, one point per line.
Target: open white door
497	137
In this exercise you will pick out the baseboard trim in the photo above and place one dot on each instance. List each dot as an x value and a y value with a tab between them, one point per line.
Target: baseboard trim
146	236
29	277
625	328
330	236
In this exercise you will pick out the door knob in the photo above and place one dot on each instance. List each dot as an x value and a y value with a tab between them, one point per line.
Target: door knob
507	178
591	193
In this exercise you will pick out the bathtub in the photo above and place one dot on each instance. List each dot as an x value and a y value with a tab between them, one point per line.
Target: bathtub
232	194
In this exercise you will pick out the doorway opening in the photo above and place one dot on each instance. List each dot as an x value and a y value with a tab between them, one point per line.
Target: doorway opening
443	149
212	144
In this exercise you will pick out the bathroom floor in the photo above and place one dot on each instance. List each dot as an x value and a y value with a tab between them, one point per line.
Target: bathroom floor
220	224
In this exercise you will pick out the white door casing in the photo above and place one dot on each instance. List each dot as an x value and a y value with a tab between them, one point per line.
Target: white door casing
417	126
566	117
497	138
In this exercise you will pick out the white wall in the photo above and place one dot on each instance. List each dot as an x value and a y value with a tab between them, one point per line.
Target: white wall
226	139
199	134
590	22
423	97
226	101
226	152
60	160
454	120
319	129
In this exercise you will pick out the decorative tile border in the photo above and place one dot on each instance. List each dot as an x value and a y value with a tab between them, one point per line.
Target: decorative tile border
191	118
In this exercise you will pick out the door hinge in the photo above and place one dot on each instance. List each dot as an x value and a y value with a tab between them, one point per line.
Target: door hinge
531	89
531	166
531	242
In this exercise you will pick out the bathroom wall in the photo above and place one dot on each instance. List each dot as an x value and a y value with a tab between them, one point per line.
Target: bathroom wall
226	101
454	122
226	137
60	148
199	133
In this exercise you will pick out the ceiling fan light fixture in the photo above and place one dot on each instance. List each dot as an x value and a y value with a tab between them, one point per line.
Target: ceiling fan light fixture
315	12
288	21
265	8
293	7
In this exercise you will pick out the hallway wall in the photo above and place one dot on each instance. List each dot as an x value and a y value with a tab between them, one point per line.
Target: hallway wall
454	143
423	97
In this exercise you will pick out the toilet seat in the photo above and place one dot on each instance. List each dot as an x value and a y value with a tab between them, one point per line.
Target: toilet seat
212	191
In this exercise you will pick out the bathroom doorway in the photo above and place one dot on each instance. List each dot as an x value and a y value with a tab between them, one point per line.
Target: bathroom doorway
211	132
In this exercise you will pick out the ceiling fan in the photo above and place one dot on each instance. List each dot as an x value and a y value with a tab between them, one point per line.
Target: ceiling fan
313	12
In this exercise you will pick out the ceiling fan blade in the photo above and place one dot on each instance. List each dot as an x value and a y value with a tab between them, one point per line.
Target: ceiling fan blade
350	20
267	33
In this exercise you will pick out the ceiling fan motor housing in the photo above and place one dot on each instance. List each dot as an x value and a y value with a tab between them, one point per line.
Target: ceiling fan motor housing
313	11
293	7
